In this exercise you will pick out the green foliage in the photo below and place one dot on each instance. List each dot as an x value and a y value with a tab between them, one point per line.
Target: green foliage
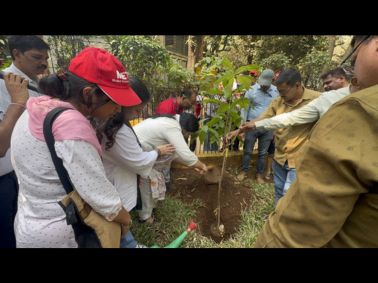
276	61
312	65
218	43
64	47
5	57
179	76
308	53
142	56
145	58
295	47
217	77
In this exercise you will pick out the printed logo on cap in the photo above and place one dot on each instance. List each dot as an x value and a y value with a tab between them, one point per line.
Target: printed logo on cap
122	77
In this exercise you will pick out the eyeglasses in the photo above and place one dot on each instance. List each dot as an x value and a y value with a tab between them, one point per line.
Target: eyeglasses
354	50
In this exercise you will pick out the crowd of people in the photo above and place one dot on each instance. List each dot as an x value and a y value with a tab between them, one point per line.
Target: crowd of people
320	147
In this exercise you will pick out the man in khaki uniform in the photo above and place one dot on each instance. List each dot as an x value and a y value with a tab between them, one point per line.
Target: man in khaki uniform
334	201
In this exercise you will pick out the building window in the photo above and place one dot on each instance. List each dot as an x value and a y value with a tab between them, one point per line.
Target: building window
169	41
177	44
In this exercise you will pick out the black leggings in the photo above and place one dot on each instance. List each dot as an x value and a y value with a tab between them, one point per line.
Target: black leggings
8	209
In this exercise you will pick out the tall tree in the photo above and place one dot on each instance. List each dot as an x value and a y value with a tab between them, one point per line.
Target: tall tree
197	45
64	47
331	48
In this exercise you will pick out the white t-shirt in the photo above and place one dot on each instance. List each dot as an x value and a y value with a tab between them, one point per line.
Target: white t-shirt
5	100
123	161
40	221
153	132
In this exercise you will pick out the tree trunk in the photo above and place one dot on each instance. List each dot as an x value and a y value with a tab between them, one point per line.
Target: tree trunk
191	57
199	48
331	48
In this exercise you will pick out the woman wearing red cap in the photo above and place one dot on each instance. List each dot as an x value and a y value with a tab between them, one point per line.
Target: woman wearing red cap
95	84
124	158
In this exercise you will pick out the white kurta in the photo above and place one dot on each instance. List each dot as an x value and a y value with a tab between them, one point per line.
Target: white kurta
123	161
153	132
40	221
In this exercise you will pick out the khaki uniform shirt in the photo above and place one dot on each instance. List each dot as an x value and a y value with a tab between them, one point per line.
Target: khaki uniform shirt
334	201
289	140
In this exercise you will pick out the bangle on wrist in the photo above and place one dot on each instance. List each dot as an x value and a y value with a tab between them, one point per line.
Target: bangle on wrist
19	104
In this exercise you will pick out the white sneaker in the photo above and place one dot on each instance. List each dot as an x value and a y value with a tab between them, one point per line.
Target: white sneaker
140	246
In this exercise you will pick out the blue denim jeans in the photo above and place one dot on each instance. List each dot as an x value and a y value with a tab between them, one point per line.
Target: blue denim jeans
283	178
128	241
264	138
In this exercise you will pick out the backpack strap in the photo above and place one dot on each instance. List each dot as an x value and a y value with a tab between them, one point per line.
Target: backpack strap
50	140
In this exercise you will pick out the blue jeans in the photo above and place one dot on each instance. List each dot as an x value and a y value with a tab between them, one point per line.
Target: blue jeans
283	177
128	241
264	138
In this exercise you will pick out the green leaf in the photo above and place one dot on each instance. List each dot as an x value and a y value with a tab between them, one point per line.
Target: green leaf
202	136
227	63
213	121
224	78
228	87
214	136
244	81
247	68
212	100
205	128
222	108
214	91
243	102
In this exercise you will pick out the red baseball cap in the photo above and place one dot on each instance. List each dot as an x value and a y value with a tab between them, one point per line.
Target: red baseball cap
98	66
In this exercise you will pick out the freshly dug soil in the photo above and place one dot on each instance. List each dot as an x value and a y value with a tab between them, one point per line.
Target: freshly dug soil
188	185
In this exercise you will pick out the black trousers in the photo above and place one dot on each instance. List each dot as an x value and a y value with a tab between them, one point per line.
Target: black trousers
8	209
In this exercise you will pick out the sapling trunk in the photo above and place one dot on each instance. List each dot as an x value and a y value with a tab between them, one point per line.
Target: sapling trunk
228	128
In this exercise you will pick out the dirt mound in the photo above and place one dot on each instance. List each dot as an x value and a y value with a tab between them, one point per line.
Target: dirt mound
188	185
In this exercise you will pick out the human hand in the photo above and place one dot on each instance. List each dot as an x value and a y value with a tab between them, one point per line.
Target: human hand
17	88
242	136
201	168
166	149
248	126
232	134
